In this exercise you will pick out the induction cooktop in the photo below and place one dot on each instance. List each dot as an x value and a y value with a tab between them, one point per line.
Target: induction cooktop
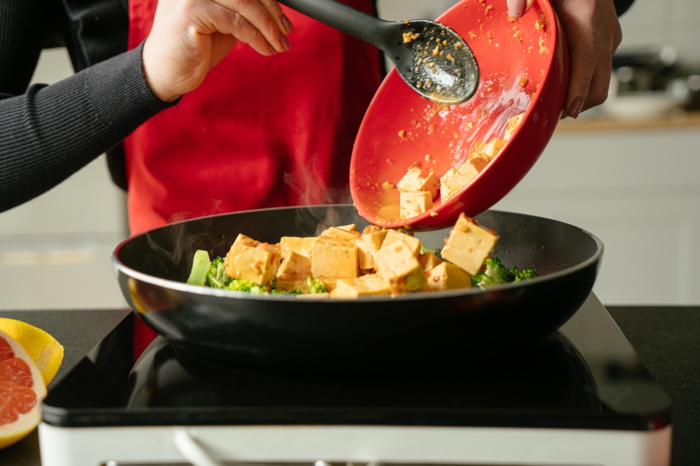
584	382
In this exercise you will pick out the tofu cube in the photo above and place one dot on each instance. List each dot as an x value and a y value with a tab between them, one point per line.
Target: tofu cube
365	285
333	258
371	229
367	245
469	245
447	276
512	125
491	149
251	260
414	204
344	235
397	264
351	227
454	180
296	244
413	181
429	261
293	272
393	236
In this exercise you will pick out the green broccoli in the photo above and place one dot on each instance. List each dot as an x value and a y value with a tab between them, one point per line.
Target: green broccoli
247	286
216	277
200	268
497	274
316	286
524	274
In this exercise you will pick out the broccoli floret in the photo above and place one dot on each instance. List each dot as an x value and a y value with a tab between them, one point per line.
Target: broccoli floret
216	277
275	291
520	275
316	286
200	268
247	286
497	274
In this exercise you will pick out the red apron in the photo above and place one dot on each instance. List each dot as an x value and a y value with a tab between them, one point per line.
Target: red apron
258	132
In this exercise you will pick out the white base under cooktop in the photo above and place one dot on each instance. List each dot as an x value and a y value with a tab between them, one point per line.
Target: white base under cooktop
218	445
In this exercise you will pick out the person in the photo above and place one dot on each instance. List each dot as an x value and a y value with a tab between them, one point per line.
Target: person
272	124
593	34
49	132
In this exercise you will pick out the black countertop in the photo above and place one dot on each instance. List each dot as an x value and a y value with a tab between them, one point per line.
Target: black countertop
667	339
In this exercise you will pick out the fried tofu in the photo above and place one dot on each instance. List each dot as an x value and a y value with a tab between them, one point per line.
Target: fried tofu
334	258
491	149
469	245
454	180
447	276
293	273
512	125
412	181
413	204
297	244
249	259
429	261
367	245
393	236
398	265
365	285
345	235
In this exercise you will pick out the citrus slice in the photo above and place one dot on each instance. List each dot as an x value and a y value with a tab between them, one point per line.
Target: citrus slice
21	391
44	350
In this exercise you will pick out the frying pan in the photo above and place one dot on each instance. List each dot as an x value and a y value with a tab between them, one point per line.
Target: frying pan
523	67
419	331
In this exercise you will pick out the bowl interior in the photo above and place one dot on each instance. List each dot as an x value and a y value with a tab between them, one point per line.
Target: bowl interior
402	129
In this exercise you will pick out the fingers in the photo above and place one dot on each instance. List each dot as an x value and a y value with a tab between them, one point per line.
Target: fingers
258	21
593	34
517	8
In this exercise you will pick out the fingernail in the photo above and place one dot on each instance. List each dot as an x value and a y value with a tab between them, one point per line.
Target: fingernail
576	107
272	49
516	8
284	42
288	26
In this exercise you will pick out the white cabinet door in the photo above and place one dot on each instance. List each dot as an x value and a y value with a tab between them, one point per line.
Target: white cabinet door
638	191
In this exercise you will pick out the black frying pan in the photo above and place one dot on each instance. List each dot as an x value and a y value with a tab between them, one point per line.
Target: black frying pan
416	331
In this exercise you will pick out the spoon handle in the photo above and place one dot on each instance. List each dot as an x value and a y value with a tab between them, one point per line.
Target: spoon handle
345	18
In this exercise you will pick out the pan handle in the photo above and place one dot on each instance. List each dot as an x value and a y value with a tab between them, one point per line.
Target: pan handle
192	450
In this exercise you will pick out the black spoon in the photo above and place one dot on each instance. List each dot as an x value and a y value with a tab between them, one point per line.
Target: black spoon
432	58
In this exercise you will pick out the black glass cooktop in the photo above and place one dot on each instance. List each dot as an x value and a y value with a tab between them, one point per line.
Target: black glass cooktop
584	376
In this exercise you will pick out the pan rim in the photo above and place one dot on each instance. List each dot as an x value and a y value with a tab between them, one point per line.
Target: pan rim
423	295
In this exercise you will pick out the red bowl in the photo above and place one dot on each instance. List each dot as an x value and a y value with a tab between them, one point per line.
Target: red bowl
401	128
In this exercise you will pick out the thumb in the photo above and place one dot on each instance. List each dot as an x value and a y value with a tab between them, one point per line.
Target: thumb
517	8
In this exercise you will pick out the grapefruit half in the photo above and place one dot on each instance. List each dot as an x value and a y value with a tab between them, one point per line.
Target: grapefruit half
21	391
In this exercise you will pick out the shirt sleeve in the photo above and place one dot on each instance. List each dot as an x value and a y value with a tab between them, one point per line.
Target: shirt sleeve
50	132
622	6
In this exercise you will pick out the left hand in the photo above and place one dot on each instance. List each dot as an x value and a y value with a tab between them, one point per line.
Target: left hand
593	33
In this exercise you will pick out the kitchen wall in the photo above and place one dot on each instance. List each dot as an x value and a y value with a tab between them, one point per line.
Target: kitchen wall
55	250
635	187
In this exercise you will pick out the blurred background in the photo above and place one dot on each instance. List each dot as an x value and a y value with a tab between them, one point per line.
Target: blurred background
627	172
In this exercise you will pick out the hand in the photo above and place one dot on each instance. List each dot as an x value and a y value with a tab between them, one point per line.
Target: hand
189	37
593	33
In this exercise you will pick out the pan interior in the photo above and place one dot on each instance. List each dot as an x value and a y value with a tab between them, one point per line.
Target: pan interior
526	241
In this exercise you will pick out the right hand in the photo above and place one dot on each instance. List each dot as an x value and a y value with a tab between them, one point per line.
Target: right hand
189	37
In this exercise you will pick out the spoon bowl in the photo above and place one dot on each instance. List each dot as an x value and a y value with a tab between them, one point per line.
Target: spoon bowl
433	60
430	57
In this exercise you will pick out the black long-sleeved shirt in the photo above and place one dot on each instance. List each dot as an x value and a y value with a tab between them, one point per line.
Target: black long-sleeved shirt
47	133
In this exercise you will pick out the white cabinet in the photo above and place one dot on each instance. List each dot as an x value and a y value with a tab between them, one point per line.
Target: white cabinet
638	191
